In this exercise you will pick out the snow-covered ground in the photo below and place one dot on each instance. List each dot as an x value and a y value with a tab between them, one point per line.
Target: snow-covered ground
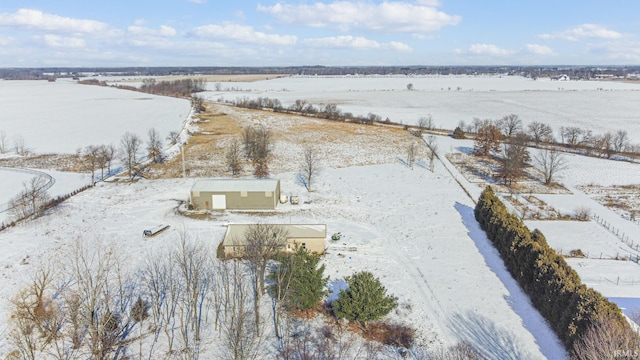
62	116
413	229
13	181
596	105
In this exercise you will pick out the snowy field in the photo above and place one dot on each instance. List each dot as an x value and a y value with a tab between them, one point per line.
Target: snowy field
62	116
413	229
597	105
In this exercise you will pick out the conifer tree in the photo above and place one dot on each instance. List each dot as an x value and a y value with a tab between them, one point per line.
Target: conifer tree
365	300
301	282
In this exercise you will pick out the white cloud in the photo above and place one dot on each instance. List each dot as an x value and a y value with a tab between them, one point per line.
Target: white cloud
35	19
488	49
538	49
56	41
163	31
584	31
399	46
198	1
241	33
354	42
343	42
418	17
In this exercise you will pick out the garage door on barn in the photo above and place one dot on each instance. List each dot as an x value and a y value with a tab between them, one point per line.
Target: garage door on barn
218	202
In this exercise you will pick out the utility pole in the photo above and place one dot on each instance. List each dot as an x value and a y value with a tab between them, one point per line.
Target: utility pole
184	172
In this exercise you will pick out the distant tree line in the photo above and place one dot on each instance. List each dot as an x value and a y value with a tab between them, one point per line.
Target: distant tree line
176	88
574	72
328	111
570	308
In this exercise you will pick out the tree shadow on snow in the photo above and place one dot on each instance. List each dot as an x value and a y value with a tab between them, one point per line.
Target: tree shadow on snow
485	337
335	286
464	149
519	302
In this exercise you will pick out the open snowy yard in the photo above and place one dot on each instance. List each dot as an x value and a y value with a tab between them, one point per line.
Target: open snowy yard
413	229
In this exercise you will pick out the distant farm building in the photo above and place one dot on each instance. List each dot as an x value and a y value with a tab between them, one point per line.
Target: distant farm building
309	237
237	194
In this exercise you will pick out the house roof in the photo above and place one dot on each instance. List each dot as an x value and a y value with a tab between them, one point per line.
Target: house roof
226	185
235	232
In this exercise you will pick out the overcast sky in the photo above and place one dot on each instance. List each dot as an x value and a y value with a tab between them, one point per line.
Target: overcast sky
36	33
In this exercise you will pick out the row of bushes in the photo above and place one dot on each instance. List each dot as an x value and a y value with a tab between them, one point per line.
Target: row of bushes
553	286
302	107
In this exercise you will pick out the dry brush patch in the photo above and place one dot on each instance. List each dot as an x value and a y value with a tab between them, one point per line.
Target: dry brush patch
484	171
339	144
622	199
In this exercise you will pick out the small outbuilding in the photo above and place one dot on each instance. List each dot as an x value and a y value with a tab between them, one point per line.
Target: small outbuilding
238	194
309	237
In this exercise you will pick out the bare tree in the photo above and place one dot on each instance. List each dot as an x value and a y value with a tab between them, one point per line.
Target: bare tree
411	154
331	112
510	125
605	339
90	156
571	135
299	105
18	145
38	318
620	141
410	86
160	278
234	157
488	140
432	145
173	137
425	123
103	296
154	146
3	142
515	157
310	166
198	104
192	264
129	149
257	147
262	243
241	338
604	144
32	199
539	132
550	162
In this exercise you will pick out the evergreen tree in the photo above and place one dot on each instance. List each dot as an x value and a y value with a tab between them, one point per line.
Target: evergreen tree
299	280
365	300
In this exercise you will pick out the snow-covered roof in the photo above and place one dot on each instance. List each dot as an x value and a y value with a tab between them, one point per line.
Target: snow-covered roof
235	232
225	185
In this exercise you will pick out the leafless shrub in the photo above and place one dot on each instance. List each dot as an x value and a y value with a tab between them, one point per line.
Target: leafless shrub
605	339
582	213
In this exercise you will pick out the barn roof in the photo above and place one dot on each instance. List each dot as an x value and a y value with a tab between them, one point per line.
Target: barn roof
235	232
226	185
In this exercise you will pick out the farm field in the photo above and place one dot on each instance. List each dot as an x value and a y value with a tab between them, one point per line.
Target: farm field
412	228
597	105
62	116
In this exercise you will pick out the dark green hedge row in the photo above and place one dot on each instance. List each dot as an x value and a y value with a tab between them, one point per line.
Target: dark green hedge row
553	286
